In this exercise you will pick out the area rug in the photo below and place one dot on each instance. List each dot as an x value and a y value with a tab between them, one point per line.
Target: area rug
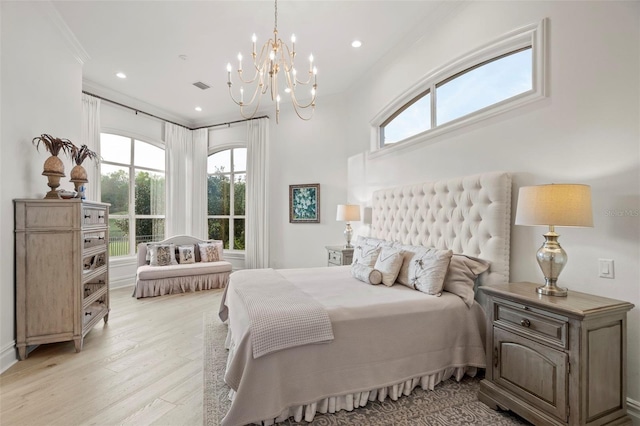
450	403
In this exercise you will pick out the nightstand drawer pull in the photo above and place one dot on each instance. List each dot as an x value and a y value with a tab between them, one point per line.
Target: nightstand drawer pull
525	323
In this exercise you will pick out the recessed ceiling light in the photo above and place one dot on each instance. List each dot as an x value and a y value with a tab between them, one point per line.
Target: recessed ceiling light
121	75
198	109
356	43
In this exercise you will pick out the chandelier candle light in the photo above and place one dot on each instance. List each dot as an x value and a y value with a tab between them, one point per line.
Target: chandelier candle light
275	58
554	205
348	212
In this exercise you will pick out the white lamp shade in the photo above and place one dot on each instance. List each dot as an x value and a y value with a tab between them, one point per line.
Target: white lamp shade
555	205
348	212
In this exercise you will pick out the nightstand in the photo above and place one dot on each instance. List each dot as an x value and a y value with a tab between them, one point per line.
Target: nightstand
556	360
339	255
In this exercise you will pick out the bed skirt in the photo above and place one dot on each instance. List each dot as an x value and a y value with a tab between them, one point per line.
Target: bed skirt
352	401
160	287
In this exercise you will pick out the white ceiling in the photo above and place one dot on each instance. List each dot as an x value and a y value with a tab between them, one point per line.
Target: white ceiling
144	39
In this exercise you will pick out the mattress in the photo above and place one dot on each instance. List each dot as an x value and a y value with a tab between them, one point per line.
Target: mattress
383	337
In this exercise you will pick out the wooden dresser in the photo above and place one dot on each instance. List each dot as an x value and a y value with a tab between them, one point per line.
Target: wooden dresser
556	360
62	273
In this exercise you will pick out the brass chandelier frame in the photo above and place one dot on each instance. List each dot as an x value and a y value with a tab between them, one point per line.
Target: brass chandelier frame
275	57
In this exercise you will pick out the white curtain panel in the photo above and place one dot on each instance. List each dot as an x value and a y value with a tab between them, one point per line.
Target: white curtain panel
257	206
178	142
197	185
90	136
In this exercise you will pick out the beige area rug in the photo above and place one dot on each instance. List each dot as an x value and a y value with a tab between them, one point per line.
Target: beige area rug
450	403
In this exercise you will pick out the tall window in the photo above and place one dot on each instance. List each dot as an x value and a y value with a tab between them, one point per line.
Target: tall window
226	186
133	181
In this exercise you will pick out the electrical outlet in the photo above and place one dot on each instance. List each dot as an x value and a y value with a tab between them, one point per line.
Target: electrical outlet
605	268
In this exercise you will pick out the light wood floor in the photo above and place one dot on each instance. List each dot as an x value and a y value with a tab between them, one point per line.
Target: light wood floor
144	367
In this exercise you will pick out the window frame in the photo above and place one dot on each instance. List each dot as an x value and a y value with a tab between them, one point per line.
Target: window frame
132	216
231	216
532	35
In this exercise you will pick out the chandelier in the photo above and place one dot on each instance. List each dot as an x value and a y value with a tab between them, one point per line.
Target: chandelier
275	58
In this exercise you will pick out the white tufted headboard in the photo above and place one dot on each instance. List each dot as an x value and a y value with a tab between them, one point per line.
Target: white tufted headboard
470	215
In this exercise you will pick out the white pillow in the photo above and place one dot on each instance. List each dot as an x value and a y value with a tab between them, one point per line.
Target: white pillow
186	254
366	273
462	274
162	254
389	263
211	251
365	254
377	242
424	269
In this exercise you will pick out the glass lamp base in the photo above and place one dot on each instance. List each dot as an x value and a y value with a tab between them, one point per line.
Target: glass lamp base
552	290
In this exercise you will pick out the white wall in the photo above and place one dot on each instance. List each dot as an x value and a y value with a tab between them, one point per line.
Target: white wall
586	131
41	93
307	152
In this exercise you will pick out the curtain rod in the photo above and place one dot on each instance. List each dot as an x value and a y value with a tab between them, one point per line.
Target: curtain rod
228	124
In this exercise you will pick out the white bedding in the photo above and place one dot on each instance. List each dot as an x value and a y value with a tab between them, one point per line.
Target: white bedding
387	339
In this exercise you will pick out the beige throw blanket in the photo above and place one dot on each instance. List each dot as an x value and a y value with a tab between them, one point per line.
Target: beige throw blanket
281	316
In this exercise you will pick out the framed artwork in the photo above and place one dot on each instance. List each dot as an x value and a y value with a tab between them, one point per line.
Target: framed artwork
304	203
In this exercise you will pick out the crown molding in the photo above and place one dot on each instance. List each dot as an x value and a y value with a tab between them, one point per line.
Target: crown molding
68	36
133	103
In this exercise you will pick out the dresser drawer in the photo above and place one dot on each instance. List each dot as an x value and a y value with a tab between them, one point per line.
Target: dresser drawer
94	216
532	322
94	239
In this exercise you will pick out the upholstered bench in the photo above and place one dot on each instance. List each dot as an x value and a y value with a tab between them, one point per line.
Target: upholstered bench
157	280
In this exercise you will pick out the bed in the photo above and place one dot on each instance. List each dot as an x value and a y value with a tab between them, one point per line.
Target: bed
386	340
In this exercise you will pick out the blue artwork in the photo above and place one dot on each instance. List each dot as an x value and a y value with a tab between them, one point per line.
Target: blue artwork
304	203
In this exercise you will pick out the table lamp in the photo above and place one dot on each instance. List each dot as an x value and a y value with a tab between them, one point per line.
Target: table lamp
348	212
554	205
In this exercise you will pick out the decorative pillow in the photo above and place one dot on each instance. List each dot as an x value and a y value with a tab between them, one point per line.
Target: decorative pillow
376	242
389	263
424	269
365	254
462	274
186	254
211	251
162	254
366	273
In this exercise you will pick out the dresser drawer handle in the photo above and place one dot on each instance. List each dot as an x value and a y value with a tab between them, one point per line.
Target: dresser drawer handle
525	323
87	216
100	217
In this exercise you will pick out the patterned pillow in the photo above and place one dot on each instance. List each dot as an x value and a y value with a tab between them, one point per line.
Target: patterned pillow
366	274
365	254
186	254
376	242
150	246
389	263
424	269
211	251
162	254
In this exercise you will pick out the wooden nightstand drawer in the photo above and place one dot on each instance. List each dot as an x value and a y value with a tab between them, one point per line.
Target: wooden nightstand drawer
339	255
335	257
534	323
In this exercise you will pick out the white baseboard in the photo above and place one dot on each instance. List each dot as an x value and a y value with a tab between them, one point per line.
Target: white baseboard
633	409
8	356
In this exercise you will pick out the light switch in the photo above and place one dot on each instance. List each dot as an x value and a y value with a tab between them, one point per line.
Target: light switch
605	268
